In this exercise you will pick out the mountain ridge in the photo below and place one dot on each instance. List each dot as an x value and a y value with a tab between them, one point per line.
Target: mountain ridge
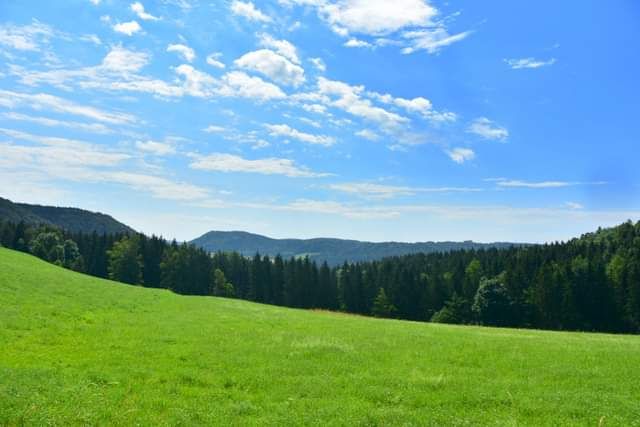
67	218
332	250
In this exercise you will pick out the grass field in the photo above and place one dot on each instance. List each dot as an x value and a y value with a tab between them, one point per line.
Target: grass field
79	350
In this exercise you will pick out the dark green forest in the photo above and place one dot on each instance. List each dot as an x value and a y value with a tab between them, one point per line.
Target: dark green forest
333	251
591	283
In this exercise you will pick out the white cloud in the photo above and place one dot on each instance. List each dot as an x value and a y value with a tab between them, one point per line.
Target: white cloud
72	160
138	9
431	40
128	28
56	153
27	38
98	128
368	134
287	131
248	11
213	59
187	53
418	105
518	64
43	101
237	83
378	191
574	205
349	99
118	72
269	166
275	66
377	17
488	130
283	47
461	155
159	187
514	183
95	2
357	43
408	23
92	38
123	60
319	64
156	148
315	108
214	129
196	83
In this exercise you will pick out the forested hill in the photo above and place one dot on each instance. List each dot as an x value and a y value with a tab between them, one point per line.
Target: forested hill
71	219
333	251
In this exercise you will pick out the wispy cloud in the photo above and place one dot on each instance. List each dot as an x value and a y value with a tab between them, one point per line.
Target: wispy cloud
222	162
518	64
381	191
43	101
514	183
27	37
488	130
289	132
98	128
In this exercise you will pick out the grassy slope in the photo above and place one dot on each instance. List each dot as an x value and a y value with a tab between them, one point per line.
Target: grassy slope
76	349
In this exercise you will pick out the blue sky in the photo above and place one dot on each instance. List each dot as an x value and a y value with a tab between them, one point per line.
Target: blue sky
409	120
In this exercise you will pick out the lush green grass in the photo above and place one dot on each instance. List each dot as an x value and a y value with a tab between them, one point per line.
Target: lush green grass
79	350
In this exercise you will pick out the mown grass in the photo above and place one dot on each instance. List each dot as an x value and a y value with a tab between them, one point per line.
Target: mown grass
79	350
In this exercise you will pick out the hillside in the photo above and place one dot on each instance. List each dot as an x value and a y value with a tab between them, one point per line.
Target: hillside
334	251
81	350
71	219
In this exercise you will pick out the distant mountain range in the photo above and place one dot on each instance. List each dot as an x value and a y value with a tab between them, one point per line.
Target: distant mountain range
71	219
334	251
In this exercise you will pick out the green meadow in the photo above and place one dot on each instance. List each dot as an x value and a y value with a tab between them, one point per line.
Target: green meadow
76	350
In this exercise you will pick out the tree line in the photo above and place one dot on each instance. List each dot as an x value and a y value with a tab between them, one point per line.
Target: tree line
590	284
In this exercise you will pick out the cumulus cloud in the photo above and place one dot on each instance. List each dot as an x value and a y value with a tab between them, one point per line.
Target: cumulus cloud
377	17
249	11
282	47
487	129
349	99
237	83
187	53
461	155
277	67
289	132
127	28
408	23
138	9
268	166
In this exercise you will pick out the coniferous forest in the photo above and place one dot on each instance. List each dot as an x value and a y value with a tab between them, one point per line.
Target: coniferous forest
590	283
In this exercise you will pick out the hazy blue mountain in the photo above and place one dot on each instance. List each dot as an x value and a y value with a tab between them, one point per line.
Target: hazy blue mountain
72	219
334	251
